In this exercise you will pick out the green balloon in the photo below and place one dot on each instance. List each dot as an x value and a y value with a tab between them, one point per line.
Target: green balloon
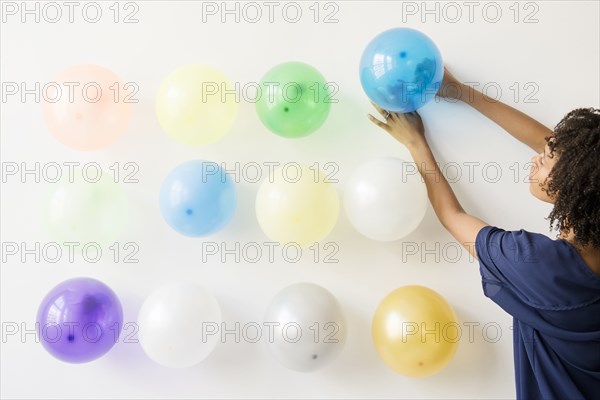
294	101
84	211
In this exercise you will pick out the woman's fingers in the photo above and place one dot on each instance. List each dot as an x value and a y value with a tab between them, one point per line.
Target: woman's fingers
415	115
379	123
416	120
412	116
396	117
404	120
381	110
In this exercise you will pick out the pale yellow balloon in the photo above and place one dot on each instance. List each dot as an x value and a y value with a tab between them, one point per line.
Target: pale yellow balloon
415	331
196	104
297	205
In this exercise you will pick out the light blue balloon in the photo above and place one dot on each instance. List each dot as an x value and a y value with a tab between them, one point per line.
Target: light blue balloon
198	198
401	69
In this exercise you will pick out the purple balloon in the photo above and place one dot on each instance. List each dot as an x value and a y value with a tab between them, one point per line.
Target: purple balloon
79	320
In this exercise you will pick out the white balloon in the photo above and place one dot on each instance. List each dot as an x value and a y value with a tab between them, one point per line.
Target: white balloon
179	325
385	199
308	327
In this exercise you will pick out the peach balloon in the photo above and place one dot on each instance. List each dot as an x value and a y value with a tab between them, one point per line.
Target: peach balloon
87	107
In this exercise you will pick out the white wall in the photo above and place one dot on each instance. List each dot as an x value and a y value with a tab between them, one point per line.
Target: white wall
558	55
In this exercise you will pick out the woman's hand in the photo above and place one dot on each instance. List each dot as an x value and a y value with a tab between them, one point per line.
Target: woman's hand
451	87
406	128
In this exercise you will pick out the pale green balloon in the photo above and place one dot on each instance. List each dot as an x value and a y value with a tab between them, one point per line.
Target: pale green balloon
85	212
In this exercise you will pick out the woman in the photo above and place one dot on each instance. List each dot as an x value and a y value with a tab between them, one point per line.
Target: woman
550	287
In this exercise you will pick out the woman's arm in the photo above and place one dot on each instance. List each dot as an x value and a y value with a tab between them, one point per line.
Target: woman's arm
408	129
521	126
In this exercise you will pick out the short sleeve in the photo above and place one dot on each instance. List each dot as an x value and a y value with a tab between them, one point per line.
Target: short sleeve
532	269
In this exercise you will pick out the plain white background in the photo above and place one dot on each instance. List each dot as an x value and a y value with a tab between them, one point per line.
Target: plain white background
553	61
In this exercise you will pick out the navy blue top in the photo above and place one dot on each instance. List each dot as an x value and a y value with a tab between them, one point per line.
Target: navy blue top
554	298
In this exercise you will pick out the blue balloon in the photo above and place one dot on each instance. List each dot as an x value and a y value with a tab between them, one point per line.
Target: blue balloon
198	198
401	69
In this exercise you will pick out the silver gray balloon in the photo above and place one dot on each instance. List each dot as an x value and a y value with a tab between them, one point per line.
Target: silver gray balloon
306	327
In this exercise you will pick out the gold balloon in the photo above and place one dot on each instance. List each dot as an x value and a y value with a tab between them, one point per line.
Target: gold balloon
196	104
415	331
297	205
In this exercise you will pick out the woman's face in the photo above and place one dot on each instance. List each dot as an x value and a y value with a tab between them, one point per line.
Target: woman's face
540	170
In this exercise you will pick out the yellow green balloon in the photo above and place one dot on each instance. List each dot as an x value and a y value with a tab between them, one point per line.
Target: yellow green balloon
84	211
297	205
295	100
415	331
196	104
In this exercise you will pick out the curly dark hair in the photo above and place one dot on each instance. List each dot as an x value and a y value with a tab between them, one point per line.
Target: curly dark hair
574	182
